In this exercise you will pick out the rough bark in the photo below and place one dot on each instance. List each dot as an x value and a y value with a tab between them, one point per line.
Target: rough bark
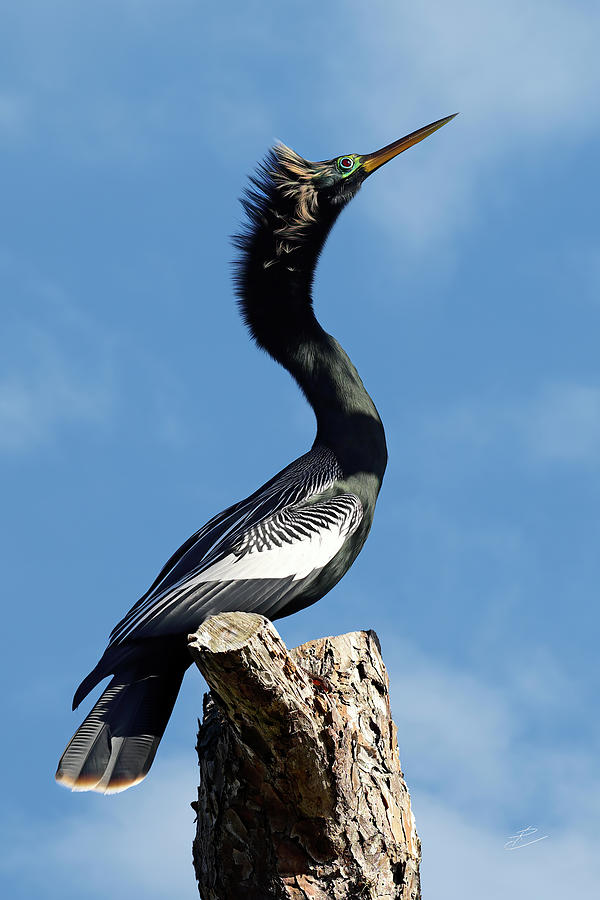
301	792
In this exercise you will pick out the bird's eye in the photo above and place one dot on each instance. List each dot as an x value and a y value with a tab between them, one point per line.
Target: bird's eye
346	164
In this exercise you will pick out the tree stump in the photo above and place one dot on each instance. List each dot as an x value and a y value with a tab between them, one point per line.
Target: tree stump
301	792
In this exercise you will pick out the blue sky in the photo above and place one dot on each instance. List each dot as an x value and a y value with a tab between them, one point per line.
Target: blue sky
463	281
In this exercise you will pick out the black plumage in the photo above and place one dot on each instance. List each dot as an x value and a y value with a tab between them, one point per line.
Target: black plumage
291	541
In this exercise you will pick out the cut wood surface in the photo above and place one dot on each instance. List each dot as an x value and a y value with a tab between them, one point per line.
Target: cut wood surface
301	792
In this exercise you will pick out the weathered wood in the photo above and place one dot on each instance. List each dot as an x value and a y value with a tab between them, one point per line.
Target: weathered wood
301	792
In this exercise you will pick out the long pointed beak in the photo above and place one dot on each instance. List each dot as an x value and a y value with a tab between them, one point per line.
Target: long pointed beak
375	160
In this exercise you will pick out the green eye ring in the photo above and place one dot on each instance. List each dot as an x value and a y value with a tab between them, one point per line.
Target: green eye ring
346	165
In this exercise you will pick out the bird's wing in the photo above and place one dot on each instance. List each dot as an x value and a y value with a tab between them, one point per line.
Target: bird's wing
258	572
267	541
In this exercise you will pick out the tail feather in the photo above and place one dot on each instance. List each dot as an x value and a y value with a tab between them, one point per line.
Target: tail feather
114	659
114	747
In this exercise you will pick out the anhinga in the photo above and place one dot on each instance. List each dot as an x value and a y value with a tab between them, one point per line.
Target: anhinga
291	541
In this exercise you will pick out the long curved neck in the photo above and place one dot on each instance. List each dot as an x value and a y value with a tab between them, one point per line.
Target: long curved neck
347	420
277	305
286	230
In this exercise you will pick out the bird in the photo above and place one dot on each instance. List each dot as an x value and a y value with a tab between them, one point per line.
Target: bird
287	544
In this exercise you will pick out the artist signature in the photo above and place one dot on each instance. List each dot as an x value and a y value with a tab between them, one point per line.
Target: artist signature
523	838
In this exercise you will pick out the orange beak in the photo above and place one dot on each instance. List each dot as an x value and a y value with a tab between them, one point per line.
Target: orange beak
380	157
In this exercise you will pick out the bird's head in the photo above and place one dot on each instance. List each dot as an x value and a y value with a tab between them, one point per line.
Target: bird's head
315	190
335	181
293	203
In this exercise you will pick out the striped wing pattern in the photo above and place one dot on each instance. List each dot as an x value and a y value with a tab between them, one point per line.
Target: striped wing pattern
253	555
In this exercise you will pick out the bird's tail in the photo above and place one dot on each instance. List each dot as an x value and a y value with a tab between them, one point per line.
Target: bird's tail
114	747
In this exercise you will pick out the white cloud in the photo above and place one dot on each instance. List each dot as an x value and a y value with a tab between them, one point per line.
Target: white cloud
104	88
560	423
459	728
128	845
478	772
35	403
524	75
458	731
464	861
60	367
45	388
